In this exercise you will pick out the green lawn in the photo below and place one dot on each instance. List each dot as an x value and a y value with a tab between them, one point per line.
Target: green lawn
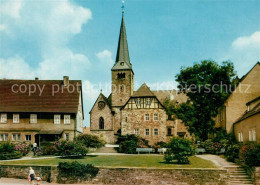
120	161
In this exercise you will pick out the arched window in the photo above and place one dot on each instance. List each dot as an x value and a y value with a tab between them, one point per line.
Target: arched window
101	123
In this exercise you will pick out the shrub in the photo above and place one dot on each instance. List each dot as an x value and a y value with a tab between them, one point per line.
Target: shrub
250	154
160	144
179	149
232	152
12	155
211	147
71	148
128	147
90	141
129	143
75	171
7	147
50	150
24	148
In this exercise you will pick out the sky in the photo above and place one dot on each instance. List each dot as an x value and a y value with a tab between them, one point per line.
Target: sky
50	39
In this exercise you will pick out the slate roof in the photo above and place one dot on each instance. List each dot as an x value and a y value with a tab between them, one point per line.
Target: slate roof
122	57
171	95
48	101
143	91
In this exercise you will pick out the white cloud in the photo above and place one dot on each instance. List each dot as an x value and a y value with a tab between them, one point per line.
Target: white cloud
244	52
252	41
11	8
16	68
105	57
2	27
49	24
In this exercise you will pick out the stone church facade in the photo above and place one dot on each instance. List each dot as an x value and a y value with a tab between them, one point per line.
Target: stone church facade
139	112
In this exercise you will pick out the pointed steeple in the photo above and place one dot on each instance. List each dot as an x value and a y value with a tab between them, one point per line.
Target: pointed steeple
122	56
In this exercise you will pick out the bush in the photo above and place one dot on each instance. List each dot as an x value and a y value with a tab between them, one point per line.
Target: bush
71	148
179	149
11	155
90	141
250	154
24	148
232	152
49	150
211	147
7	147
160	144
75	171
129	143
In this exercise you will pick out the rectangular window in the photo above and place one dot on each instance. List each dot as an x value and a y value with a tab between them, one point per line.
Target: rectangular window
137	101
66	119
155	132
147	132
28	137
16	137
240	136
56	119
147	101
253	134
250	135
3	137
3	118
147	117
15	118
33	118
137	131
155	117
67	136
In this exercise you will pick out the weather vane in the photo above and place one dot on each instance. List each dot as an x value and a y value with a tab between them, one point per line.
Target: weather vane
123	6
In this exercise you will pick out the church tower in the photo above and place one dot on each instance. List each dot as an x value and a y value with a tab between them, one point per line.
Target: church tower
122	73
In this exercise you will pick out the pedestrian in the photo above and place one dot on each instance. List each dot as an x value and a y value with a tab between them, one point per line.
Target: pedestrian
38	179
31	175
34	148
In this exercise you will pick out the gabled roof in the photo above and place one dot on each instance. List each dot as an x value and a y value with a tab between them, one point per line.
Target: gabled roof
243	77
103	97
49	100
122	57
143	91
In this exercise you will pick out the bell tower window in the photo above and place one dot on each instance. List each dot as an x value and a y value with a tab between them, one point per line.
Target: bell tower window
101	123
120	75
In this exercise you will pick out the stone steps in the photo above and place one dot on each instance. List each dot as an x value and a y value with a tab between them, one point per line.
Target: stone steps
237	175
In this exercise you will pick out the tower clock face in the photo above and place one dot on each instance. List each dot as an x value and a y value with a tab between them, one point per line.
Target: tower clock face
101	105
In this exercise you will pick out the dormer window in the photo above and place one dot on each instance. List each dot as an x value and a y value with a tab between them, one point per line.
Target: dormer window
122	63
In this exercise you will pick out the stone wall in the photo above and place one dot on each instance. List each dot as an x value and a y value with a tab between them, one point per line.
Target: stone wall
131	175
257	176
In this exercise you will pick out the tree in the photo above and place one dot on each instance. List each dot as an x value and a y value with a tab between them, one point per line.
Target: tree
207	85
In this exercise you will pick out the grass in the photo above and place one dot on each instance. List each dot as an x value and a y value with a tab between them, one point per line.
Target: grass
119	161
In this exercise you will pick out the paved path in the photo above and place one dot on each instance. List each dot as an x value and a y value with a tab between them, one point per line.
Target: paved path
218	161
11	181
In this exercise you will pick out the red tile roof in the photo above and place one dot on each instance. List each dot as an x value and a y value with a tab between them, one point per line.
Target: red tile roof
51	100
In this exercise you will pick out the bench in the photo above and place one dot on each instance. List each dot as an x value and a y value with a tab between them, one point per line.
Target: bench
162	150
200	150
144	150
222	151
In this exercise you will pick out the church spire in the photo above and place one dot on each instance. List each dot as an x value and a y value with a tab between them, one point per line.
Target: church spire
122	56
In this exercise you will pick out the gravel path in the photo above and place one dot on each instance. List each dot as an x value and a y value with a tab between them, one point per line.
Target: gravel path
217	160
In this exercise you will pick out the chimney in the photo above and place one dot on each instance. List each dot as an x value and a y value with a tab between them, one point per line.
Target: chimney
36	78
65	81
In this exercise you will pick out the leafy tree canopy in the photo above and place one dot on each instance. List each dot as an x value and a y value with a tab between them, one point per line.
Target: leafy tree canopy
207	85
